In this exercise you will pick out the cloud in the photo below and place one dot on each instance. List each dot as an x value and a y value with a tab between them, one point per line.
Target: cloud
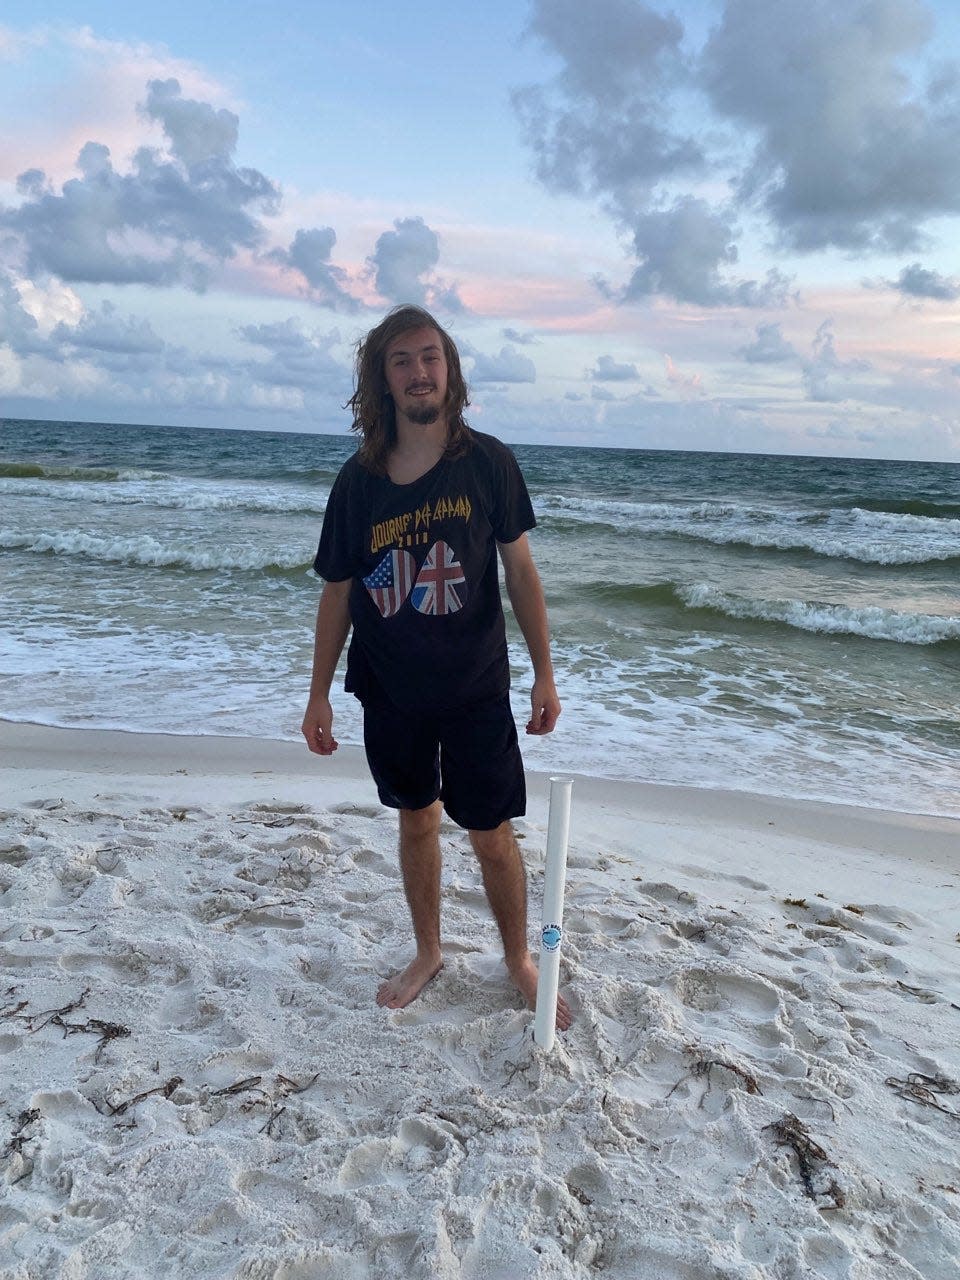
107	332
309	253
599	128
681	251
918	282
100	91
403	258
49	302
842	433
822	374
18	328
607	370
167	220
690	383
509	366
197	132
609	126
822	127
769	347
601	393
11	43
297	359
849	150
524	339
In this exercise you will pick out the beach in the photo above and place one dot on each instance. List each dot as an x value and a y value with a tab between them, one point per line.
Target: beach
762	1080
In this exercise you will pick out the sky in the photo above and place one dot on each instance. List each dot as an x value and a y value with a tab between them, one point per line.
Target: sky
722	224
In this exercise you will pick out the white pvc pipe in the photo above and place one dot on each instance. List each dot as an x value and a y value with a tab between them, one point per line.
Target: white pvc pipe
551	932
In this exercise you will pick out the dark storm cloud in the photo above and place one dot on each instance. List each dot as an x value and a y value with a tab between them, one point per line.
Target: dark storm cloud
193	208
769	347
817	126
309	254
402	258
917	282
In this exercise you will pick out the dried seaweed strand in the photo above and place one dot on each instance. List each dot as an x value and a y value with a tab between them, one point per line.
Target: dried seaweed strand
793	1133
703	1067
920	1088
166	1089
241	1086
17	1139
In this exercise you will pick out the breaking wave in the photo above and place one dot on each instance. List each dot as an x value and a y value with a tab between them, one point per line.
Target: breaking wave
148	552
870	622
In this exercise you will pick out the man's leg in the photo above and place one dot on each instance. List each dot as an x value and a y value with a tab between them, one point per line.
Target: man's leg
506	884
420	865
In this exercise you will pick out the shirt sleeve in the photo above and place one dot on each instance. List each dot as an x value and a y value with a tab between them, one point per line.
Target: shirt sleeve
512	508
338	554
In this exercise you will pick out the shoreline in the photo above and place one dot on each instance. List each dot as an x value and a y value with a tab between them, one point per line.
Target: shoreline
40	760
27	744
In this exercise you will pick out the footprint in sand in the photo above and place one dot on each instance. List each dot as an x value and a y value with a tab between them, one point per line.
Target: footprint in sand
14	853
707	991
744	1012
359	810
305	1213
417	1148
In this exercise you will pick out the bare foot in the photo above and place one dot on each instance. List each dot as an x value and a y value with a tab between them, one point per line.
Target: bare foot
524	977
402	988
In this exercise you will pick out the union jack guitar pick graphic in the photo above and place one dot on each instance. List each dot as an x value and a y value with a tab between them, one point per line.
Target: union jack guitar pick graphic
440	587
389	584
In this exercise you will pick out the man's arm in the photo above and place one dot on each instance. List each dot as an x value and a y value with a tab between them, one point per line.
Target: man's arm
530	610
333	624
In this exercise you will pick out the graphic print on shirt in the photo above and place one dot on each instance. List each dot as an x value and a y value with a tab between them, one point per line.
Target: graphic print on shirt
440	587
412	528
390	583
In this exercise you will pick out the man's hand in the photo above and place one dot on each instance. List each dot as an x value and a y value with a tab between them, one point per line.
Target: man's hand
545	706
317	727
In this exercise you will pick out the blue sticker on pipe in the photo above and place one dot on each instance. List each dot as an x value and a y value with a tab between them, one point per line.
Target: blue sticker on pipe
550	937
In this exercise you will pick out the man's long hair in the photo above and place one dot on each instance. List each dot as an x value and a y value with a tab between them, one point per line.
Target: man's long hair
374	413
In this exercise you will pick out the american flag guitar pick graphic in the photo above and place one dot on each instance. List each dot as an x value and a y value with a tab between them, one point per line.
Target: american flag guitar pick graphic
389	584
440	586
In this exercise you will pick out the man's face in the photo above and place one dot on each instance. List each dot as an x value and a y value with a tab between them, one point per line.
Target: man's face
416	373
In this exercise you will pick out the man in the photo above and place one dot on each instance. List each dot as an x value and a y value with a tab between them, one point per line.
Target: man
408	554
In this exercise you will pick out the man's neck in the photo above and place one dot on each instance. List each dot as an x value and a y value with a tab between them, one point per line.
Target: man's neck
417	449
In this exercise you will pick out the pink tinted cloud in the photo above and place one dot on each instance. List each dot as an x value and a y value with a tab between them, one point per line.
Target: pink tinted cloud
258	275
96	101
691	383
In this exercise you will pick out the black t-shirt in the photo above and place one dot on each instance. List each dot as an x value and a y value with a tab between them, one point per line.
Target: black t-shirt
428	626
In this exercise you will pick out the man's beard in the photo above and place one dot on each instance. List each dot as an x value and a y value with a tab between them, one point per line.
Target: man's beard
423	415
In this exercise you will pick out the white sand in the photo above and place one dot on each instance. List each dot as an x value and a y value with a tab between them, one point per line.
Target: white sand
196	1082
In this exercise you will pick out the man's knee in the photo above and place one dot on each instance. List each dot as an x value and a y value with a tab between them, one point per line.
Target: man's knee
496	846
418	824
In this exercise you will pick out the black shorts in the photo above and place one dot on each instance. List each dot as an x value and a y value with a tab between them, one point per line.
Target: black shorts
470	760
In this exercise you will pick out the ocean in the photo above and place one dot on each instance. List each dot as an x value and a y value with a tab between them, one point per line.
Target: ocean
785	625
